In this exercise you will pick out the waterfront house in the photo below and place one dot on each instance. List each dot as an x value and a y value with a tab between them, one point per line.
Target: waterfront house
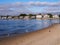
3	17
33	17
39	16
20	17
26	17
46	16
15	17
9	17
55	16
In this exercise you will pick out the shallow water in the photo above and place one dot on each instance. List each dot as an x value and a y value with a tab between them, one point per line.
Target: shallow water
11	27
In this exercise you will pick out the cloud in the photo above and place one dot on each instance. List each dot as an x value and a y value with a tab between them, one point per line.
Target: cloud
51	9
44	3
13	9
24	7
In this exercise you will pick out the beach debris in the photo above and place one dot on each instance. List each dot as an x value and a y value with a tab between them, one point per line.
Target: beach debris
49	31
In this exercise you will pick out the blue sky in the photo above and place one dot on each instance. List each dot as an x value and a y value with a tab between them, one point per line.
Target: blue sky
14	7
10	1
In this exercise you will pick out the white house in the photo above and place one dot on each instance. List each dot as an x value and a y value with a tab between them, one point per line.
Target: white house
46	16
20	17
55	16
38	16
4	17
26	17
33	17
15	17
10	17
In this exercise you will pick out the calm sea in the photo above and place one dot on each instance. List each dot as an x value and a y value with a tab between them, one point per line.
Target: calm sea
11	27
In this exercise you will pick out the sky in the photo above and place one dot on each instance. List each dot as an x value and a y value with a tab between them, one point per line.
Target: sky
16	7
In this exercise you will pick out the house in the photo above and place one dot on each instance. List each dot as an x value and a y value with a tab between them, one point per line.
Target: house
26	17
20	17
38	16
55	16
15	17
3	17
9	17
33	17
46	16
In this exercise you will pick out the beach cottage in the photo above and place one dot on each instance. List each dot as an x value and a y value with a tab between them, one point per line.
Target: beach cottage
3	17
20	17
55	16
15	17
9	17
33	17
26	17
46	16
39	16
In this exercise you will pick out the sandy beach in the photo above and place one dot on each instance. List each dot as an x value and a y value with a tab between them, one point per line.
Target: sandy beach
48	36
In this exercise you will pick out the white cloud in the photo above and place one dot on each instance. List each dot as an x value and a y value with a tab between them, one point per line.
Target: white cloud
44	3
51	9
22	7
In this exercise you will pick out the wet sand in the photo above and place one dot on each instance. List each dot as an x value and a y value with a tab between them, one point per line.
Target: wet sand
48	36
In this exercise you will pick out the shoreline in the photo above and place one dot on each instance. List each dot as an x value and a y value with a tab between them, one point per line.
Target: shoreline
31	18
26	32
40	37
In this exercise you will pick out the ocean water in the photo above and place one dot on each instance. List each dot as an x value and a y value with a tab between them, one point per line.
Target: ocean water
11	27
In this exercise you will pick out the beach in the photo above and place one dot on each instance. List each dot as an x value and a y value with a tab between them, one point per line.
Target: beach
47	36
